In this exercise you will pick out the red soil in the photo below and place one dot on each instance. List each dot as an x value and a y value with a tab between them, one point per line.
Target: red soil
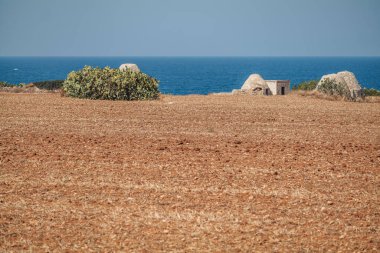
189	173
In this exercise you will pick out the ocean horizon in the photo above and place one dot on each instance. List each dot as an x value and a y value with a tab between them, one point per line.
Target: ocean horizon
182	75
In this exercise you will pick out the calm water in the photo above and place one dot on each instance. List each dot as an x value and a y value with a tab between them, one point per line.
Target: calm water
197	75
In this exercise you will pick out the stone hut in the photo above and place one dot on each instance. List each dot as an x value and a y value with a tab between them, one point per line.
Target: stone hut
279	87
348	80
131	66
256	85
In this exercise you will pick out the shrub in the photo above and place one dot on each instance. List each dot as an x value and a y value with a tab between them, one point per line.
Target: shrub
49	85
5	84
371	92
307	85
332	88
113	84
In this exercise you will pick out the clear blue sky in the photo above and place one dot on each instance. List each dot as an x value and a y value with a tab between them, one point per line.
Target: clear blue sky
189	27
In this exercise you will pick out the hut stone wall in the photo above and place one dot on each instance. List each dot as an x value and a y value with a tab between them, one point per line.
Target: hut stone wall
279	87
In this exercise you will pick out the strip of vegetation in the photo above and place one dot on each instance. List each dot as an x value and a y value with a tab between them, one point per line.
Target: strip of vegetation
112	84
44	85
307	85
6	84
371	92
49	85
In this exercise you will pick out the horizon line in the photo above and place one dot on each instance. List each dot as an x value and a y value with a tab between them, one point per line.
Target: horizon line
200	56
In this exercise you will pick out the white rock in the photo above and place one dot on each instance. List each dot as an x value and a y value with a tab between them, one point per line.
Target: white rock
346	79
131	66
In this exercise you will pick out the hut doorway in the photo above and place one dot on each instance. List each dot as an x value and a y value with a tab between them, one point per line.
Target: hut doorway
282	90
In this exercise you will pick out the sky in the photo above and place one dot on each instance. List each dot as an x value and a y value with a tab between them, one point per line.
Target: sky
189	28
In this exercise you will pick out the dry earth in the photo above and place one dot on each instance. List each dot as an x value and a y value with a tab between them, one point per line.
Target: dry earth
213	173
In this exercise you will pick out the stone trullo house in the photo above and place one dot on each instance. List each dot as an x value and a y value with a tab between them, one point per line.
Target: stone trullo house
131	66
348	80
256	85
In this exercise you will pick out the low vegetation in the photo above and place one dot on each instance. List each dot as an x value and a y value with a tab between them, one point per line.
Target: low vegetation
372	92
307	85
49	85
44	85
5	84
329	89
332	88
112	84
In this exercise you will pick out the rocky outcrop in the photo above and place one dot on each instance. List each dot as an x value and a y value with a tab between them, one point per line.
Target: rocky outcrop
131	66
347	80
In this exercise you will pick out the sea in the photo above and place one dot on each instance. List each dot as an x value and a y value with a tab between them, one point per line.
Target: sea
197	75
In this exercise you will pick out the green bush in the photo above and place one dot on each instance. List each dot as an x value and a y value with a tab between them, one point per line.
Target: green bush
113	84
45	85
5	84
49	85
307	85
332	88
371	92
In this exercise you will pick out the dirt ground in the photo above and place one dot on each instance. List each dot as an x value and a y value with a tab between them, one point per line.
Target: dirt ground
215	173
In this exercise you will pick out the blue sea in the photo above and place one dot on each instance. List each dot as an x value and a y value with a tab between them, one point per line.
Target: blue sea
197	75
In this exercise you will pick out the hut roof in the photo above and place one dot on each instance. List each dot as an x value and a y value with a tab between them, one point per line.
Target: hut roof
130	66
254	81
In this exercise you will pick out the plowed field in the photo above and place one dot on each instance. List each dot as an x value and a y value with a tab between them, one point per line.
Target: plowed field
216	173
